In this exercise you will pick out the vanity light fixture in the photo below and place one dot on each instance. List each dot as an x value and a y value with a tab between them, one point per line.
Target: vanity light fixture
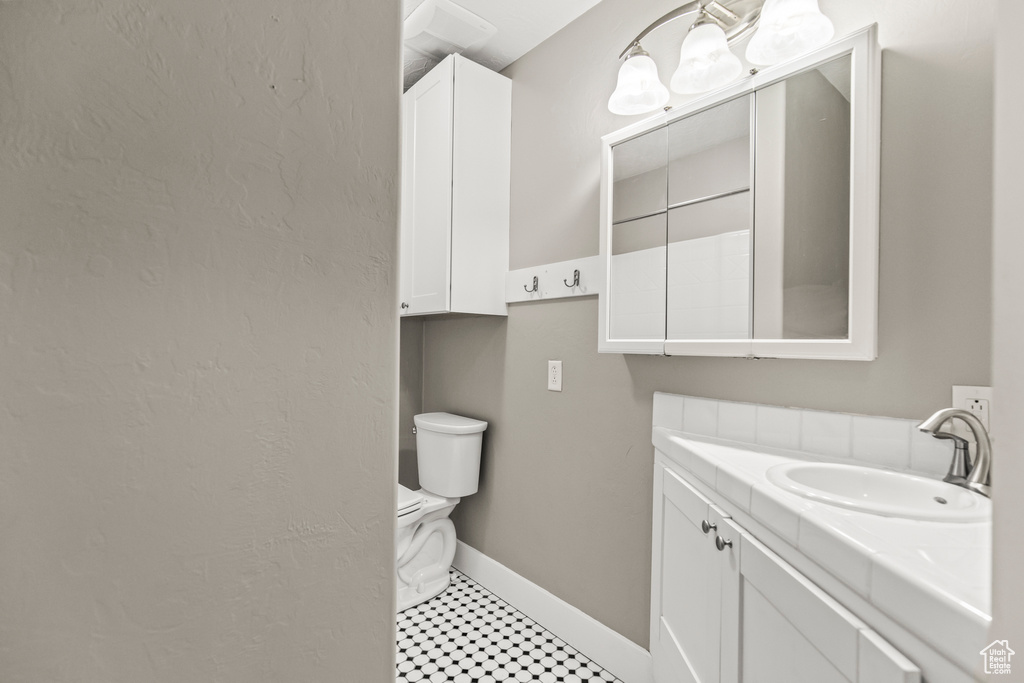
705	62
639	90
788	28
784	29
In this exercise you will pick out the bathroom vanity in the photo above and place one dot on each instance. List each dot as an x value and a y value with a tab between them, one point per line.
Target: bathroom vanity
756	578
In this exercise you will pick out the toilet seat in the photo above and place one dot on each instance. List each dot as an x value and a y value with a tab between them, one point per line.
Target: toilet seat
408	501
416	505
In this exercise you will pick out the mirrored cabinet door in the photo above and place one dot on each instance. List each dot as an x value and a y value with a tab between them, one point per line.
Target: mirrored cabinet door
803	209
709	224
709	152
638	237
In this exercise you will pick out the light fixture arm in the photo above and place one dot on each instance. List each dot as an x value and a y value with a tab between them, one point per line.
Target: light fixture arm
658	23
736	25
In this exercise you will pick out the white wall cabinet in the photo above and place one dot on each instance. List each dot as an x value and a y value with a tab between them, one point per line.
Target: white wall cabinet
726	609
456	145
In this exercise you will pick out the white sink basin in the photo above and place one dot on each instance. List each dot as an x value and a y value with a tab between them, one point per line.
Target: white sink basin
881	492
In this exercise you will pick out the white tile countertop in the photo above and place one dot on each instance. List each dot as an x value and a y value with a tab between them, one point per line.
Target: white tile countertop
932	578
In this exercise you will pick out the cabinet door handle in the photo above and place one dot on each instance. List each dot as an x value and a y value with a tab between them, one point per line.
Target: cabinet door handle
707	526
405	305
721	543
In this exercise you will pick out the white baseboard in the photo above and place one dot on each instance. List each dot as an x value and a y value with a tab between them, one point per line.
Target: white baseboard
619	655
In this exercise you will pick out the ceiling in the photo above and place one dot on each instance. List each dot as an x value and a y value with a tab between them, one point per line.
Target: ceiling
516	27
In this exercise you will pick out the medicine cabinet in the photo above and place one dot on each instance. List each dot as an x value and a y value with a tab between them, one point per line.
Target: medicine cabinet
746	223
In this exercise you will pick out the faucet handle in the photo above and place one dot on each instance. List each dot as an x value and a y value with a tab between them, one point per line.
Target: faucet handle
959	440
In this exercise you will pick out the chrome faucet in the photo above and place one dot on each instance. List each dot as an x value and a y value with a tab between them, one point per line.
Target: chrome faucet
976	477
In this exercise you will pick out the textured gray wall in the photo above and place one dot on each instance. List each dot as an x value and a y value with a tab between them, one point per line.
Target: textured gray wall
198	346
565	499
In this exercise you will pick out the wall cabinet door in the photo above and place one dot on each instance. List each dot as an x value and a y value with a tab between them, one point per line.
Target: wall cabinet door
726	609
425	248
456	146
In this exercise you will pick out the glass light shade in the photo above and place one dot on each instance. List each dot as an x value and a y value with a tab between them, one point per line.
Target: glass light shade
788	28
705	62
639	90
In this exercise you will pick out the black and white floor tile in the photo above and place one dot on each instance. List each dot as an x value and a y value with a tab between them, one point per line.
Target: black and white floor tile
469	635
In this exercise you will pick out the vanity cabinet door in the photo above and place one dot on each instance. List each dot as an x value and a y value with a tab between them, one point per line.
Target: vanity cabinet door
793	632
692	582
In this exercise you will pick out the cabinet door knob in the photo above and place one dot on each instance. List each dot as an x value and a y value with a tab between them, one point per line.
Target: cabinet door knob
721	543
405	305
707	526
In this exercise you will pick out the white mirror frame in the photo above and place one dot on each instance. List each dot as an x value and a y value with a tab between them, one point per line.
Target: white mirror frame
865	126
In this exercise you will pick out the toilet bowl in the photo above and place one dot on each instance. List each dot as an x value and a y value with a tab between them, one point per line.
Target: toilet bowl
426	546
448	461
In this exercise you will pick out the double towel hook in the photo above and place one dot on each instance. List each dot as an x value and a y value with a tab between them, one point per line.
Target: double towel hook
575	282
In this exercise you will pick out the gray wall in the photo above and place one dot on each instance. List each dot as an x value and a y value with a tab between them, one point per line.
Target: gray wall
198	350
410	399
565	499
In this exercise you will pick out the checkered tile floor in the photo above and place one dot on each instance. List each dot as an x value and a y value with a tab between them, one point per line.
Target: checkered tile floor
468	635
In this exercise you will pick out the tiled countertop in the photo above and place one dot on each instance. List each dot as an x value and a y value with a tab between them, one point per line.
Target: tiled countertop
933	578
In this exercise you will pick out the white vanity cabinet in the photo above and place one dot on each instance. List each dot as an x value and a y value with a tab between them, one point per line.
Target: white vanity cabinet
726	609
456	145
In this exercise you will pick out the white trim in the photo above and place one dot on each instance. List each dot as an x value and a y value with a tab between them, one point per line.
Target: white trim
619	655
551	279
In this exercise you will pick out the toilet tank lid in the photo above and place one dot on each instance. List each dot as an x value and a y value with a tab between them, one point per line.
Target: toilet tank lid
446	423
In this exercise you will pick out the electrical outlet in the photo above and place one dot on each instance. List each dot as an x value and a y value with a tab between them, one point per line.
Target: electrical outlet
978	400
554	375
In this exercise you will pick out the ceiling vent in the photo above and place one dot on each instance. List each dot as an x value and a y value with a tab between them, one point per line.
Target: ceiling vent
438	28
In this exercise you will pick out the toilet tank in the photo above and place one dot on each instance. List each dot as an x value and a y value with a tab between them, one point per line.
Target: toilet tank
448	453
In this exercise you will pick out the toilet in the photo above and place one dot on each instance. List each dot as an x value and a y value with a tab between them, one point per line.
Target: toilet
448	461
